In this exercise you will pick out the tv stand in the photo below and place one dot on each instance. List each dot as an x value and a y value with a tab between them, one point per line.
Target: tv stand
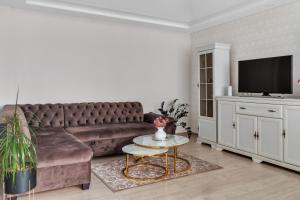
265	129
262	96
270	97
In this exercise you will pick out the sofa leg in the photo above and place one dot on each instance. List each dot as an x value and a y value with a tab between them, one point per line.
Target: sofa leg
85	186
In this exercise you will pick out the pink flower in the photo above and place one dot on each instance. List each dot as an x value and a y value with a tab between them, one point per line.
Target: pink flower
160	122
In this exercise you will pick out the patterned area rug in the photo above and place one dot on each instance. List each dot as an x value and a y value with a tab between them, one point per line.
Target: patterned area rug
110	172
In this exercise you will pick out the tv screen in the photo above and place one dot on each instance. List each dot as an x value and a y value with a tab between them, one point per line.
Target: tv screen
266	75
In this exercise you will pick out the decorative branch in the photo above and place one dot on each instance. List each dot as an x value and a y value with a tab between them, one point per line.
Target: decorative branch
178	111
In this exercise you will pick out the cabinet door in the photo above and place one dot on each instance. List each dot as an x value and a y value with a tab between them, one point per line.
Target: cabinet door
270	140
292	137
207	130
226	123
206	84
246	128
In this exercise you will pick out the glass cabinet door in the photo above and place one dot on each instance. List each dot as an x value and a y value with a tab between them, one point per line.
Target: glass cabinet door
206	85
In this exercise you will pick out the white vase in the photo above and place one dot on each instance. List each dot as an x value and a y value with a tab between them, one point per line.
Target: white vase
160	134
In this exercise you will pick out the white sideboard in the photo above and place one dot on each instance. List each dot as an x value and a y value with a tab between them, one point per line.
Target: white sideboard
266	129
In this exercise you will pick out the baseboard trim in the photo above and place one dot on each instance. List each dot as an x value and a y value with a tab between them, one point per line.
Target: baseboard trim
259	159
213	145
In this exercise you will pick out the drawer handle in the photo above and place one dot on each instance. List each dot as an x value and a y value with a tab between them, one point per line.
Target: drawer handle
284	134
255	134
272	111
242	108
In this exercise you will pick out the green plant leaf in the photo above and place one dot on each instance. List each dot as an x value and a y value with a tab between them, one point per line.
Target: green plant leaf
178	111
17	152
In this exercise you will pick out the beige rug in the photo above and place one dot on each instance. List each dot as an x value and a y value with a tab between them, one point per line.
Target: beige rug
110	172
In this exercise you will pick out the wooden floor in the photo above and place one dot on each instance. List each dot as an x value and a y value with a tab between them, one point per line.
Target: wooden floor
241	179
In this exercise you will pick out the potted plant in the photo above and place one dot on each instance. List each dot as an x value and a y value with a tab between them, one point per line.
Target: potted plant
177	111
18	159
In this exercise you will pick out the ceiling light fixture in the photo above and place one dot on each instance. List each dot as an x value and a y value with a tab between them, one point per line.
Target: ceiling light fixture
105	13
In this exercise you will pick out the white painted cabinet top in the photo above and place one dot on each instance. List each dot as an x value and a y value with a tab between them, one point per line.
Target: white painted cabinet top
266	100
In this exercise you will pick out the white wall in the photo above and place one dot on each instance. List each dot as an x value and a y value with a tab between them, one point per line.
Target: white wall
271	33
60	58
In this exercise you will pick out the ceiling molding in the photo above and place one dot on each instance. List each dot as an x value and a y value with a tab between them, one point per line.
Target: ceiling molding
236	13
107	13
192	26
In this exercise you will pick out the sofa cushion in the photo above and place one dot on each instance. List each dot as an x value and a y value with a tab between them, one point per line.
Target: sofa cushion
91	114
44	115
111	131
56	148
49	131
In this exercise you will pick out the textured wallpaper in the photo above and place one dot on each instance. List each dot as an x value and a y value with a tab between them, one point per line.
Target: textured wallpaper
275	32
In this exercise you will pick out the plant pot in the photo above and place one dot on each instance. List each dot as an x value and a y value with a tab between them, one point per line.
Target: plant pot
160	134
24	182
173	128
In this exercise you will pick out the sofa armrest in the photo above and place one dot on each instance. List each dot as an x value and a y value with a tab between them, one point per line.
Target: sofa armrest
7	113
170	127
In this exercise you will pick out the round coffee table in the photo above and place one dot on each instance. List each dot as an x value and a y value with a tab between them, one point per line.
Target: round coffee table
171	142
141	152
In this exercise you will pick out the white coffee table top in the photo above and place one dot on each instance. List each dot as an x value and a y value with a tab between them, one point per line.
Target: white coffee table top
141	151
150	142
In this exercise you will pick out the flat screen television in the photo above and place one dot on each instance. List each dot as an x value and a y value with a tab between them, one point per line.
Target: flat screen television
266	75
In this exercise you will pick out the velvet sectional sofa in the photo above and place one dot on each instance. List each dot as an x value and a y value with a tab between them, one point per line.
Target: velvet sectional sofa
69	135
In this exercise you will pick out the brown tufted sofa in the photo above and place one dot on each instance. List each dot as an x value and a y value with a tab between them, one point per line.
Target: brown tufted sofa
69	135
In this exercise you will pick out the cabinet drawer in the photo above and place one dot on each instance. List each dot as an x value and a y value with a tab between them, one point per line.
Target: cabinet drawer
265	110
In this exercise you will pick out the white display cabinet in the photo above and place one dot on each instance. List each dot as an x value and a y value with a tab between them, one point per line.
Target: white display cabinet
213	64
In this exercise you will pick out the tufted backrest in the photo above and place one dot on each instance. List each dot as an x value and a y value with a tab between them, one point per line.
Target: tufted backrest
44	115
88	114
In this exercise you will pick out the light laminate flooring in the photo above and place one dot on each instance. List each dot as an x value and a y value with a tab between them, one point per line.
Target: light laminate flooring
240	179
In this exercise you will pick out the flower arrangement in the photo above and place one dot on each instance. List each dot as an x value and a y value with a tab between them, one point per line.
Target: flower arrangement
160	122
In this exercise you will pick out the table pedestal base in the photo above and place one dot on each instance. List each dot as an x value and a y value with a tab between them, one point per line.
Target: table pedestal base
132	178
175	158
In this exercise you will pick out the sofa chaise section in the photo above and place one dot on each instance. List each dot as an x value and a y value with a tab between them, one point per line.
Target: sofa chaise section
63	160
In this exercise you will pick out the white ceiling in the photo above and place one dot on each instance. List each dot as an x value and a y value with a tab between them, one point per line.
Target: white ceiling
179	14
